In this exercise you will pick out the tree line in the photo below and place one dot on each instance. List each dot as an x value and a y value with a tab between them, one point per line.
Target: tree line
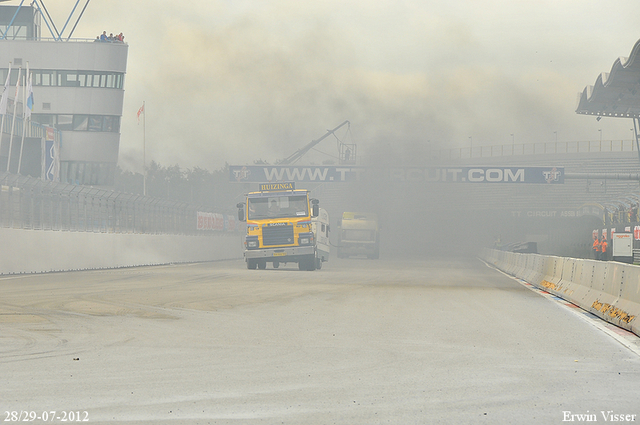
191	185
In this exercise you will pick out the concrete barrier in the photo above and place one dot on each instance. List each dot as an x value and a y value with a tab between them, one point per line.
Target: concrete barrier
535	264
521	266
571	286
552	274
36	251
512	263
629	300
610	290
606	298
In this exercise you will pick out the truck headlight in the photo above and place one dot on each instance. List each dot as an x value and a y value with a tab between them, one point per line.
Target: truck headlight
252	243
306	239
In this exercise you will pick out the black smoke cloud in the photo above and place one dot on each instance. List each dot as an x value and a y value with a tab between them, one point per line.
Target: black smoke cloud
234	82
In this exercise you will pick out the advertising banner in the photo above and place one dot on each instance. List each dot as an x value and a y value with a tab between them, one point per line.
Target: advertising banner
341	174
51	158
210	221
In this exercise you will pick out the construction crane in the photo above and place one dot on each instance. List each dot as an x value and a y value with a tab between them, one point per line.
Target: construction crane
347	152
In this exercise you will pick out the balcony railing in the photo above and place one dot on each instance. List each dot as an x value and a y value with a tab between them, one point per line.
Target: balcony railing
539	148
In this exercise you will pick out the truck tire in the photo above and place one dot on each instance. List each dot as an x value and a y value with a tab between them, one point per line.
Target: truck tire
318	263
262	265
276	264
308	263
311	263
251	264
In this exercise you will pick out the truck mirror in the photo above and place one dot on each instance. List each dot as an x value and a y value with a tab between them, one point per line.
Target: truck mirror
315	210
240	204
241	214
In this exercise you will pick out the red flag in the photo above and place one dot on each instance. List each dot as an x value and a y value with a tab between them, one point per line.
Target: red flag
140	111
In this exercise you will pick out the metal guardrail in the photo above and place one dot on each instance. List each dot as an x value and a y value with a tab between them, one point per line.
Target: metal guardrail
29	203
540	148
61	39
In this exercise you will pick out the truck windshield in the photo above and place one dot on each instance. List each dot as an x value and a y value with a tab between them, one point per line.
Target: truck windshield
278	207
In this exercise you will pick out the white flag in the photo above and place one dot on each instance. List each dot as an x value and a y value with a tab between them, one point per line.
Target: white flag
29	105
5	93
17	89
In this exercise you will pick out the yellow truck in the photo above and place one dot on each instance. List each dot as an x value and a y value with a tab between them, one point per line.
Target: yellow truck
359	234
282	222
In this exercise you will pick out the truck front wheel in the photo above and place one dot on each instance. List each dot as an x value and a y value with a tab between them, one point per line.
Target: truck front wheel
308	263
251	264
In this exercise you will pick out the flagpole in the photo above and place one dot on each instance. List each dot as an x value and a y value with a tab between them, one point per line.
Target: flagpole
144	149
13	124
5	94
24	114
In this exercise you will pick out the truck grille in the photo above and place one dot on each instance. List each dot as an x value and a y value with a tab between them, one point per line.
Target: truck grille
277	235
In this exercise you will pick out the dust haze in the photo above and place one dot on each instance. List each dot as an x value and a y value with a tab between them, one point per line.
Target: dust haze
242	81
239	81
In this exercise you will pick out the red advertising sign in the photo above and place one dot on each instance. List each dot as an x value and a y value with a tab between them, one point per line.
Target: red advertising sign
210	221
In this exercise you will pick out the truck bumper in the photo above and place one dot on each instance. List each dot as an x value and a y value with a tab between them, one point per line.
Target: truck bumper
283	255
356	248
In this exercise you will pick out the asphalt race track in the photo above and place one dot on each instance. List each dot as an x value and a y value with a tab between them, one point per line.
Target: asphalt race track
358	342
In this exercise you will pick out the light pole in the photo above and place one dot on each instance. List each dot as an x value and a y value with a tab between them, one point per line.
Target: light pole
600	130
513	139
556	133
470	147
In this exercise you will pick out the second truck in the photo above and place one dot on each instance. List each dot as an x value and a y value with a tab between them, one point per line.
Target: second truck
359	234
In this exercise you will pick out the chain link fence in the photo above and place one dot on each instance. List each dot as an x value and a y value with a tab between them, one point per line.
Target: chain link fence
30	203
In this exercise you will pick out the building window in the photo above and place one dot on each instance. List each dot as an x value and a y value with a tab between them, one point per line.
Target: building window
44	119
65	122
80	122
95	123
63	78
106	123
109	124
70	79
87	173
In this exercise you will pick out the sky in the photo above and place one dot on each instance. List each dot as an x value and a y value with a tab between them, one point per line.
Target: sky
239	81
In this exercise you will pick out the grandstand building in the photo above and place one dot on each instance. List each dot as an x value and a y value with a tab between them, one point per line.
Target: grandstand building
78	87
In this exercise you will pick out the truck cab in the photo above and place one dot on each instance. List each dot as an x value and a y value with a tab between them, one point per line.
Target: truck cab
280	227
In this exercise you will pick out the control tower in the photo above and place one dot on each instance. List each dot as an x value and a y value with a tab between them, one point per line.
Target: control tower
78	89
